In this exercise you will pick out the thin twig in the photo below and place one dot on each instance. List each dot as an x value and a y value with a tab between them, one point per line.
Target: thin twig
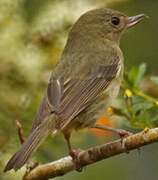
20	131
92	155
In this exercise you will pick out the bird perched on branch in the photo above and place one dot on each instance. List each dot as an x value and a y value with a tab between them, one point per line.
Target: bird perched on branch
83	84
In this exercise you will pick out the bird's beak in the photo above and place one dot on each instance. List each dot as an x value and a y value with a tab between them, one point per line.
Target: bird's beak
133	20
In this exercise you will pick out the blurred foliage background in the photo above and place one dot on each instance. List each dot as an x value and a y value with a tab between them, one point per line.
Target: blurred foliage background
32	36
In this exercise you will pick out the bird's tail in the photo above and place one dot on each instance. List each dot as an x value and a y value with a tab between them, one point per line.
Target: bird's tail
30	145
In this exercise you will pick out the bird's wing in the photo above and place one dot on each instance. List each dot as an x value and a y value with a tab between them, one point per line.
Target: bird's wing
75	94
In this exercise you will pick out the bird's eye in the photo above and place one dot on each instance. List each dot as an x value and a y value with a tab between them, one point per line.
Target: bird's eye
115	21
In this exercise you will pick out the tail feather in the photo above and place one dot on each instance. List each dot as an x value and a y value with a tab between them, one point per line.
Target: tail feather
30	146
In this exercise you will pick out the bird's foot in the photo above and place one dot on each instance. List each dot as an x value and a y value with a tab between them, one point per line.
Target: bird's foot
123	135
74	155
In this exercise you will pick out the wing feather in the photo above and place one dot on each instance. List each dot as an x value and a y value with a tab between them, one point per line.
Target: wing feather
79	93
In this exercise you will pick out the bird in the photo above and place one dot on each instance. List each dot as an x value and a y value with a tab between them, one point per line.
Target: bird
83	84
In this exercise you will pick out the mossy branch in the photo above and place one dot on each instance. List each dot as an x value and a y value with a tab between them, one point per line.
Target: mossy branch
92	155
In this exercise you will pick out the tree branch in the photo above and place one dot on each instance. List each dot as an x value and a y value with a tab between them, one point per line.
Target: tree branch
92	155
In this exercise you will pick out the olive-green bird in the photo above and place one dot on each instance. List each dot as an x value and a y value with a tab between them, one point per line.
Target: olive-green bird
83	84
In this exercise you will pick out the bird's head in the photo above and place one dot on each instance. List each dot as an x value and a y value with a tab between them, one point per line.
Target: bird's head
105	23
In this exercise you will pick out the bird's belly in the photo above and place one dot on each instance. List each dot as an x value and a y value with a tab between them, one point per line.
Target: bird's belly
92	113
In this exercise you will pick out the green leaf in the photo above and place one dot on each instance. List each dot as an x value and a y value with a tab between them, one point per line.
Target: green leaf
144	106
135	75
139	75
155	80
132	75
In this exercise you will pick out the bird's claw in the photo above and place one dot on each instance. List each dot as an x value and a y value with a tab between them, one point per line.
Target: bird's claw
123	135
74	155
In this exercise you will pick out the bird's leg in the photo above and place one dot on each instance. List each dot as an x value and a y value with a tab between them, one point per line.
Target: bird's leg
122	133
73	153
